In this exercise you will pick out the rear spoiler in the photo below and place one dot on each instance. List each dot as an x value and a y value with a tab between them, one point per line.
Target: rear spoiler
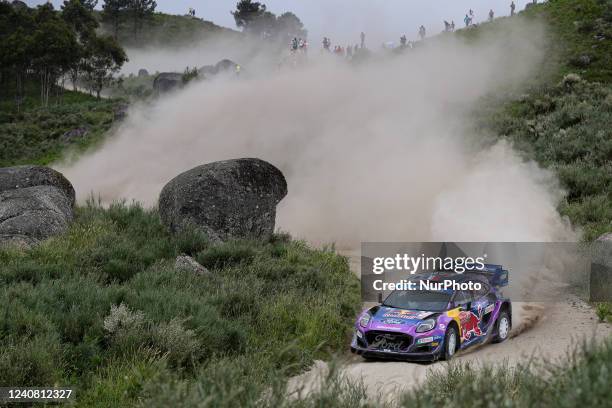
496	274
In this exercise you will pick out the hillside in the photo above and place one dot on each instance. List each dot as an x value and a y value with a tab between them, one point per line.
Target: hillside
563	120
38	135
167	30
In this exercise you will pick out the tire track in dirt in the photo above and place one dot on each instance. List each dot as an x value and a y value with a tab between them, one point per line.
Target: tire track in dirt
541	332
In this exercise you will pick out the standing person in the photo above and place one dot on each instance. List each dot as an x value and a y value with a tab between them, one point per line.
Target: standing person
472	17
422	32
512	8
466	20
349	51
453	25
362	39
403	41
446	26
491	15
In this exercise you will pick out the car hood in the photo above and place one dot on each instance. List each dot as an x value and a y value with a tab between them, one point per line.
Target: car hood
389	316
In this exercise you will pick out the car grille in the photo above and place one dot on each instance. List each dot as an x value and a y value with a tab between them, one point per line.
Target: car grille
391	341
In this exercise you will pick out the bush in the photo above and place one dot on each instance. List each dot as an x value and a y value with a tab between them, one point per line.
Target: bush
102	308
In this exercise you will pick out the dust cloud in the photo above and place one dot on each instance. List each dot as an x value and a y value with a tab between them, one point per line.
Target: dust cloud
374	151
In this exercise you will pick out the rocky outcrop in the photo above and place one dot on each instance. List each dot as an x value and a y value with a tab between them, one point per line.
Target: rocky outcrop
226	200
18	177
600	289
187	263
225	65
167	81
35	203
34	213
75	134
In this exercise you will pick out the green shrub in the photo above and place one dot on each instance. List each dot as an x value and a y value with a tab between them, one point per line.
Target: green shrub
226	255
102	308
604	311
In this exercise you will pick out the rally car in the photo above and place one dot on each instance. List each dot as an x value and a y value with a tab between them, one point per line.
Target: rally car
434	324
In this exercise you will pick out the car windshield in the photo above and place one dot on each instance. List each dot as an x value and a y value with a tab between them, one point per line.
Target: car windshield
418	300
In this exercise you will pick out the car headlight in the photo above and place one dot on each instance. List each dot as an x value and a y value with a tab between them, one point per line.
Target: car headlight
426	326
363	322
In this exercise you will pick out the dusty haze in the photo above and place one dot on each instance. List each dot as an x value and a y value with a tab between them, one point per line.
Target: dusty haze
372	152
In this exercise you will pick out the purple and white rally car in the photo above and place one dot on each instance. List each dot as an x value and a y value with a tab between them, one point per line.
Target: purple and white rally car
445	313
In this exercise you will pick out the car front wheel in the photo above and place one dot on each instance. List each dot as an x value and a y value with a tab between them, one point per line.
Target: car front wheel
451	343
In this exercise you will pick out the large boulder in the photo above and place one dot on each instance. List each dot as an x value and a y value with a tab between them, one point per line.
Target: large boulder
34	213
225	65
208	70
227	200
601	270
167	81
13	178
36	203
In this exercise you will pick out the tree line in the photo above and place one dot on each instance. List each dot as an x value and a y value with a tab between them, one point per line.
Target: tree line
117	12
254	18
46	47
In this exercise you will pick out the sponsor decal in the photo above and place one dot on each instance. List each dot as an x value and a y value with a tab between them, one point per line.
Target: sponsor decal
489	308
406	314
425	340
470	324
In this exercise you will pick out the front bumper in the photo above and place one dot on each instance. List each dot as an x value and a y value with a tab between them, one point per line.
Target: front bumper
432	353
392	355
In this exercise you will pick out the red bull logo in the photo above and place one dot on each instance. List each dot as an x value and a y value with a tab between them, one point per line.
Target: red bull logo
470	324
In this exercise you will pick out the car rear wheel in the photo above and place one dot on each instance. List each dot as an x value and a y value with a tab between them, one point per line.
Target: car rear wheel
451	343
503	326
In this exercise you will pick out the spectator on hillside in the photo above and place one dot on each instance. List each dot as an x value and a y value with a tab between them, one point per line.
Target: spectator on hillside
512	8
491	15
326	43
422	32
362	39
453	25
403	41
467	20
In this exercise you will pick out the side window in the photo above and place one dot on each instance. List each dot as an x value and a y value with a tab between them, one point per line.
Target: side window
462	297
483	291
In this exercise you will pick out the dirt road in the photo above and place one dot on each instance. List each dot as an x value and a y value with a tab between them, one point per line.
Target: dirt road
541	331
